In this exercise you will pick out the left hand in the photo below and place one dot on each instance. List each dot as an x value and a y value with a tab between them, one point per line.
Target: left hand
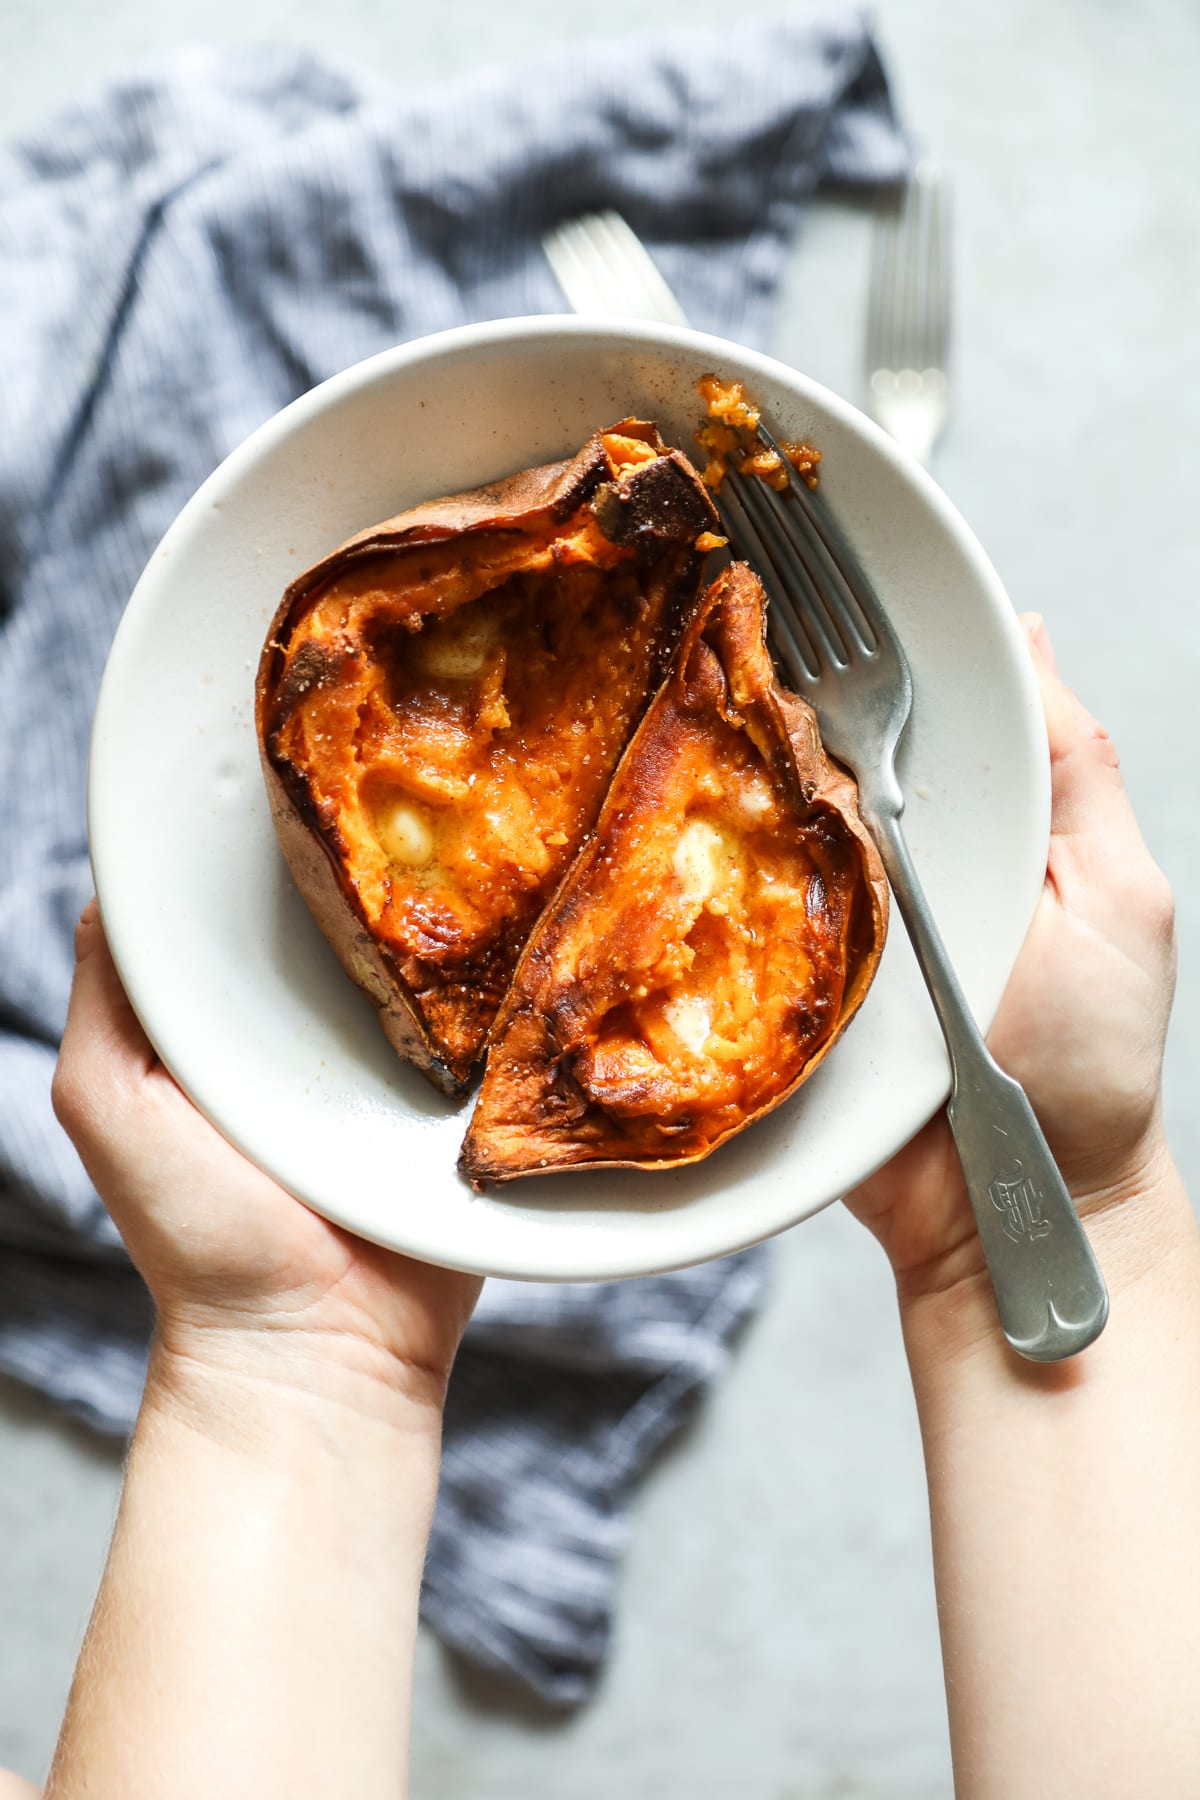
240	1270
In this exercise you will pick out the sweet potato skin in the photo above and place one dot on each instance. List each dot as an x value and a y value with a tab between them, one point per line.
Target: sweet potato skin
654	517
359	953
550	1101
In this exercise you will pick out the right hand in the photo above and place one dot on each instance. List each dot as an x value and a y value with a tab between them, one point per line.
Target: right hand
1082	1024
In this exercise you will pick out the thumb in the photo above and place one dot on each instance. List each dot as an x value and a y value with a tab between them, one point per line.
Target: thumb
1087	793
1099	866
105	1053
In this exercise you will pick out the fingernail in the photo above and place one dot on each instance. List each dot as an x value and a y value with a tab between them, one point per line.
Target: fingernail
1035	625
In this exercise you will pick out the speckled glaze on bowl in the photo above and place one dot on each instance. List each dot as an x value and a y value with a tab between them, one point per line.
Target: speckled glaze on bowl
239	993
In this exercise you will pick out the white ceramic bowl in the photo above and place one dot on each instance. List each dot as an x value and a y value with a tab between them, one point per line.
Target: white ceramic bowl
239	993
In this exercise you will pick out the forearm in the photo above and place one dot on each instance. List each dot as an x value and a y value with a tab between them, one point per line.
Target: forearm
1064	1503
255	1627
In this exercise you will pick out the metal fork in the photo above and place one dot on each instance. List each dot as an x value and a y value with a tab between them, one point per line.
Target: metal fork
606	271
842	653
836	643
908	314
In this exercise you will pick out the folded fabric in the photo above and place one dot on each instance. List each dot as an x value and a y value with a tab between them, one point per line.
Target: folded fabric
179	257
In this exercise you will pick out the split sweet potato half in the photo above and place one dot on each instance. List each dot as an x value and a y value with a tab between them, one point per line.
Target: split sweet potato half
713	939
441	704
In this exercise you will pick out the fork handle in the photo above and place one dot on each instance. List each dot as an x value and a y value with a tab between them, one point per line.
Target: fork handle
1050	1293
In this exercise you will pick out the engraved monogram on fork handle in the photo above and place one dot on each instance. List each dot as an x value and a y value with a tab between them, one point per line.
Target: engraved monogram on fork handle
1050	1293
848	660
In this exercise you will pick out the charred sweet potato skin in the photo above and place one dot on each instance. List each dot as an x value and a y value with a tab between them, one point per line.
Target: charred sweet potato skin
712	941
441	703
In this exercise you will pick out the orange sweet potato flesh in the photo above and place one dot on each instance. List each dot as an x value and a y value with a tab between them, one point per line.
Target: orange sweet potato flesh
441	704
713	939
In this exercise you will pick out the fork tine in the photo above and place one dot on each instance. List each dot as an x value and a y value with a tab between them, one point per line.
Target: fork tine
911	285
799	537
608	241
787	627
792	639
926	300
924	324
593	277
840	565
659	301
833	593
613	240
881	302
937	310
567	253
909	302
791	554
600	259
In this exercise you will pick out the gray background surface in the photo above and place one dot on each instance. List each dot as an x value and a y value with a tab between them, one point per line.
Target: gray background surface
777	1635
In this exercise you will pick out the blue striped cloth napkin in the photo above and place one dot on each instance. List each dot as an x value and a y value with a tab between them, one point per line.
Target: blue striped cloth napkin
181	255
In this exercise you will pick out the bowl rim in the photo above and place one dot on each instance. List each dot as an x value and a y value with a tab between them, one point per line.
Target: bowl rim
460	342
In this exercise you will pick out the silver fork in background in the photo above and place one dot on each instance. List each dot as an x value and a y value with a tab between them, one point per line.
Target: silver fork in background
843	655
908	314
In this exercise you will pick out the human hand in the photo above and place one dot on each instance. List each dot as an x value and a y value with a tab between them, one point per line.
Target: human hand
242	1274
1082	1024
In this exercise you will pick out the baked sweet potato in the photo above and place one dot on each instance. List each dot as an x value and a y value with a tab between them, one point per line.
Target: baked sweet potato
441	703
713	939
728	438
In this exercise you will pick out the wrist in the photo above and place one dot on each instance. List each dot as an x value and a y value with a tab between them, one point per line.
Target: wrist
270	1394
1140	1224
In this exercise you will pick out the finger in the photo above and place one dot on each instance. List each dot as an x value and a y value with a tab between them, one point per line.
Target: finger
15	1787
1099	865
100	1007
104	1053
1039	638
1087	793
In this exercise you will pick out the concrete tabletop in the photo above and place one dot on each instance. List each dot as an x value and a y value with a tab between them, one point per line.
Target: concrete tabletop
777	1635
